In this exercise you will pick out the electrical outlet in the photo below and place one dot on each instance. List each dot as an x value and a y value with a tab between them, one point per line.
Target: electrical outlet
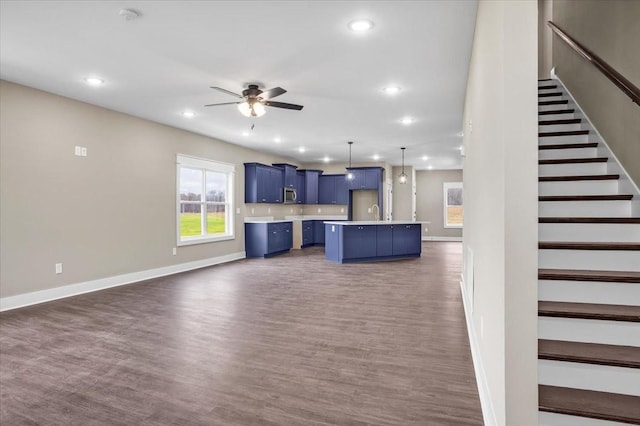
237	210
58	268
291	210
342	210
78	151
369	210
319	210
253	210
175	251
269	210
83	151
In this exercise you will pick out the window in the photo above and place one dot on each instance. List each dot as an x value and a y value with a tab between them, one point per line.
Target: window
453	210
205	200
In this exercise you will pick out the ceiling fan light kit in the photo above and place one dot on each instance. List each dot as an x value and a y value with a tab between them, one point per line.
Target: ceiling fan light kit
253	100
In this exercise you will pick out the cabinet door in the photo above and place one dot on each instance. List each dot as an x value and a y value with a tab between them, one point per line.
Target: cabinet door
274	237
384	240
372	178
286	241
318	232
311	188
289	174
307	232
276	186
358	179
263	176
326	190
359	241
406	239
341	190
300	188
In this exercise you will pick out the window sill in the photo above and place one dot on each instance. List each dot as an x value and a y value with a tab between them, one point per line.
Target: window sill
205	240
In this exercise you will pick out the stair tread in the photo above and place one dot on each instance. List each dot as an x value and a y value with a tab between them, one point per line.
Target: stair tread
552	86
589	275
624	220
556	122
620	197
573	245
589	353
557	111
574	178
589	311
568	146
563	133
550	94
558	102
588	403
574	160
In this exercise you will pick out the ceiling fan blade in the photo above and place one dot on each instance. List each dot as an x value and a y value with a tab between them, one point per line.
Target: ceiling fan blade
225	103
283	105
226	91
272	93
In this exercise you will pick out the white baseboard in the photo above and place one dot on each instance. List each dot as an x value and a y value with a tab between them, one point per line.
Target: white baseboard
21	300
488	413
442	239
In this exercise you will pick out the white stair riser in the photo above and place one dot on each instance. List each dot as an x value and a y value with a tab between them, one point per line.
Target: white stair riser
584	208
589	331
598	260
604	232
563	139
579	187
589	292
572	169
564	116
553	419
558	127
553	107
551	154
602	378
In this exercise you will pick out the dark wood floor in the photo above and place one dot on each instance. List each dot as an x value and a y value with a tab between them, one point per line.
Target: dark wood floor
293	340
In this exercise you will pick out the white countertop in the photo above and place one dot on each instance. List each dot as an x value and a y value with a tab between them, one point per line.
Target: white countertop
263	219
373	222
316	217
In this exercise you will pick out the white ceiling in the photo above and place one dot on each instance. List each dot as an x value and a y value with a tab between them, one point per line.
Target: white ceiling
163	63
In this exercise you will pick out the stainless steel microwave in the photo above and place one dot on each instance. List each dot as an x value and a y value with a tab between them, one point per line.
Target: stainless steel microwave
290	196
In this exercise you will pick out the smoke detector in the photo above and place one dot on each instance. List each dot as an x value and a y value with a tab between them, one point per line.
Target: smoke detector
129	14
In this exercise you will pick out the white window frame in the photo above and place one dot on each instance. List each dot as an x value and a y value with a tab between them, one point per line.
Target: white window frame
211	166
445	187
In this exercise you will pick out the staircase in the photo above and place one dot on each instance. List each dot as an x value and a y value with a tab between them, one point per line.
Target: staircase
589	276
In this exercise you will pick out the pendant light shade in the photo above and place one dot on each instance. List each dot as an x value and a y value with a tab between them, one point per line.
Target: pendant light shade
349	174
402	178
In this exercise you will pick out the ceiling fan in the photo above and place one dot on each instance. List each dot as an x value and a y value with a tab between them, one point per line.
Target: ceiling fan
254	100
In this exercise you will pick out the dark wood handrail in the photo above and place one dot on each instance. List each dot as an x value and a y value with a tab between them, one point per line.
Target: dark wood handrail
618	79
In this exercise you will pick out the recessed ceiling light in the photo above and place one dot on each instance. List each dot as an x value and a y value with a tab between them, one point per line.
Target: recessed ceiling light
129	14
406	120
391	90
188	114
245	133
94	81
376	157
277	139
301	149
360	25
425	158
326	159
430	167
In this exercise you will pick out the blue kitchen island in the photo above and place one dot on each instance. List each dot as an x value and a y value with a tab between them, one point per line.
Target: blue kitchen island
367	241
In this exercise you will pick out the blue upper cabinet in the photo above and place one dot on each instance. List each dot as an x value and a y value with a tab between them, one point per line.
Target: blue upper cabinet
366	178
262	183
333	189
311	185
289	173
300	187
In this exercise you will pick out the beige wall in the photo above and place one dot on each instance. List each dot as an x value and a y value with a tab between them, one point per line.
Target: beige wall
610	29
403	194
500	190
110	213
545	52
430	200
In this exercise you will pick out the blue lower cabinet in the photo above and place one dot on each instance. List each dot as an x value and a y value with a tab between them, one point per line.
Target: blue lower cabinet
384	240
307	233
406	239
267	239
318	232
359	241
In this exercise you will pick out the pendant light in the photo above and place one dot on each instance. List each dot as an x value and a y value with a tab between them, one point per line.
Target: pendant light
402	178
349	173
